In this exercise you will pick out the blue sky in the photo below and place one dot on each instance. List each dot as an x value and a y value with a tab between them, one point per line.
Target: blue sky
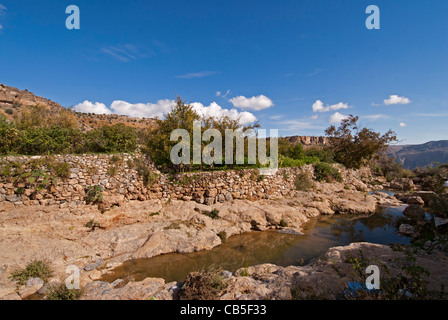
267	60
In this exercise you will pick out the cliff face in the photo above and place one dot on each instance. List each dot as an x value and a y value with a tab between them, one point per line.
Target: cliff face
308	141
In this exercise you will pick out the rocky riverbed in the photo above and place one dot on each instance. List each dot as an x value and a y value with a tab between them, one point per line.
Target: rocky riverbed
96	242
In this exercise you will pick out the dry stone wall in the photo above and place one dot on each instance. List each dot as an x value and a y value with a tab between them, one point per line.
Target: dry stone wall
121	180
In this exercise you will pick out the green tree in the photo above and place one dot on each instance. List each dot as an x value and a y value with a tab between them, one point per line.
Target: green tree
354	146
158	144
9	136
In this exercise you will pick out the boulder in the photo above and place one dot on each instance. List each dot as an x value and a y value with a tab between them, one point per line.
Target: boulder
415	200
426	196
415	212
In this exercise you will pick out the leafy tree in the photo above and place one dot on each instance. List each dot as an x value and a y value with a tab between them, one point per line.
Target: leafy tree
9	136
158	144
108	139
354	146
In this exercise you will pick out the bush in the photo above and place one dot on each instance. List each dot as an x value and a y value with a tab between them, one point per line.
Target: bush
223	236
206	284
324	154
94	194
325	172
144	171
61	169
286	162
61	292
303	182
36	269
214	214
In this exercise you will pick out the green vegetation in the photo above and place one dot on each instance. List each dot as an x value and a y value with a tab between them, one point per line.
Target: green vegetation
303	182
143	170
61	292
223	236
206	284
283	223
94	195
36	269
354	146
92	225
409	284
214	214
36	130
326	172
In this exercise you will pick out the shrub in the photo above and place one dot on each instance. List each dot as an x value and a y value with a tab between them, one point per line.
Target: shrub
61	292
143	170
112	171
286	162
223	236
94	194
325	172
324	154
92	225
303	182
9	111
36	269
283	223
61	169
206	284
214	214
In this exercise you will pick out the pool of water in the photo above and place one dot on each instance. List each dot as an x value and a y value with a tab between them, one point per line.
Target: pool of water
253	248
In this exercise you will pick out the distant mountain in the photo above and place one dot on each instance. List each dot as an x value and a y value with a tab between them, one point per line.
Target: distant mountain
421	155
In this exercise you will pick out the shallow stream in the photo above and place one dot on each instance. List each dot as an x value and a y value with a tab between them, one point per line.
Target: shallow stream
254	248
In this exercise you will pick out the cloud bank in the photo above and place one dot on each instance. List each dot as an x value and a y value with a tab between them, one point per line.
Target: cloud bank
159	109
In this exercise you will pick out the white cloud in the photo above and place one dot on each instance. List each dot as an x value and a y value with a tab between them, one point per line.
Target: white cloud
215	110
337	118
258	103
402	124
142	110
201	74
89	107
395	99
159	109
218	93
318	106
2	9
314	117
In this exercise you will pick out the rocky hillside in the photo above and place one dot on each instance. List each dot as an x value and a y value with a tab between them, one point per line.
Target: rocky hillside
12	100
308	141
412	156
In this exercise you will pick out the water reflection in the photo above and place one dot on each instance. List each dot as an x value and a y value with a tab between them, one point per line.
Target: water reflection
271	247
